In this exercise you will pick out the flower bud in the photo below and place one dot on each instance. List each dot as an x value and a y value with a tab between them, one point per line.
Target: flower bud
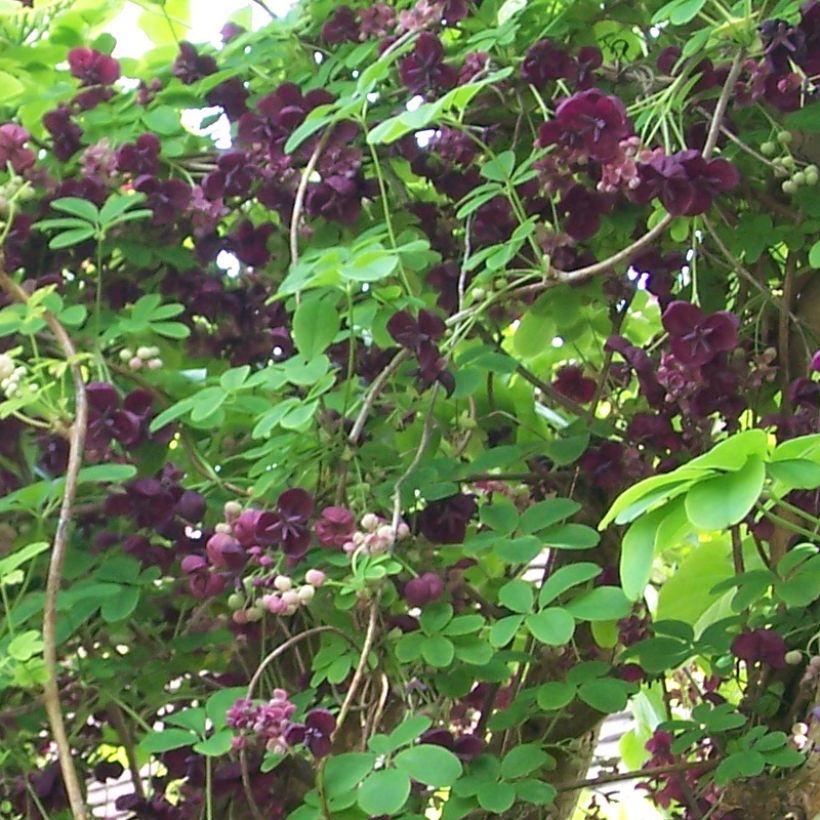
223	528
370	521
236	601
6	366
135	363
291	598
306	593
274	604
283	583
126	354
402	531
253	614
144	352
232	510
154	364
315	577
793	657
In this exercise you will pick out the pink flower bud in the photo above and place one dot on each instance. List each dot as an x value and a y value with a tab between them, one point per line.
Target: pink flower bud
274	604
290	598
315	577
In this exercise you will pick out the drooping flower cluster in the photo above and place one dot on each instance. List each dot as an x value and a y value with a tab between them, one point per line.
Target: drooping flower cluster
13	139
288	598
546	61
760	646
423	70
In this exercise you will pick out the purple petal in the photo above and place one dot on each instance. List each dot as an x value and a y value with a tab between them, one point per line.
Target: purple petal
321	720
681	318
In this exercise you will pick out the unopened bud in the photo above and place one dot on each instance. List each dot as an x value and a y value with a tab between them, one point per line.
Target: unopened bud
232	510
283	583
315	577
223	528
135	363
306	593
793	657
6	365
154	364
370	521
144	352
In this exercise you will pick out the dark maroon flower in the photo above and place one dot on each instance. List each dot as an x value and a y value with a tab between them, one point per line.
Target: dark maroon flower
424	70
411	333
583	208
493	222
225	552
604	466
570	381
804	392
546	61
590	123
107	421
141	156
167	198
685	182
201	581
230	31
315	733
445	521
809	25
231	96
108	770
249	243
631	673
783	91
423	590
65	133
233	177
191	66
288	525
245	527
150	502
93	67
342	27
654	431
453	11
695	338
12	141
815	362
760	645
335	526
782	44
589	58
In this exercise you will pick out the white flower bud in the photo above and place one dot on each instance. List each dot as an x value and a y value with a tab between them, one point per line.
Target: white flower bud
306	593
126	354
144	352
283	583
223	528
793	657
6	366
154	364
370	521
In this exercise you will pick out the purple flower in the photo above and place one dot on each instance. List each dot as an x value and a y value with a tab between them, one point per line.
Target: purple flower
571	382
604	466
64	131
286	526
685	182
93	67
249	243
150	502
466	747
201	581
423	590
412	333
342	27
445	521
583	208
423	70
166	198
695	338
233	176
335	526
231	96
191	66
545	61
376	20
764	645
590	124
315	733
141	156
225	552
12	141
107	421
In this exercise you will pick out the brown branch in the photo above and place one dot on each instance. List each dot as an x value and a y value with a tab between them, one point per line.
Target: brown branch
121	728
51	695
369	637
656	771
372	395
783	331
299	202
722	104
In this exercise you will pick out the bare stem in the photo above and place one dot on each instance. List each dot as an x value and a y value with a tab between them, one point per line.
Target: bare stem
299	202
375	389
51	695
593	782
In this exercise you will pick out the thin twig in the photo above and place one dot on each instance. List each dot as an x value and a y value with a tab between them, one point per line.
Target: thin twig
121	728
51	697
722	104
360	666
783	331
640	774
372	395
299	202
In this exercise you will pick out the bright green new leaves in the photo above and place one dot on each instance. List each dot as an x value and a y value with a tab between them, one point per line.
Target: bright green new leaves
725	500
315	324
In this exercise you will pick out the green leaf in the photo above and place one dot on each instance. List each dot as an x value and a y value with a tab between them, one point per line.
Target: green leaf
435	617
517	595
600	604
163	120
565	578
26	645
192	719
429	764
503	630
500	168
795	474
119	607
607	695
315	324
407	731
77	207
217	705
536	792
814	255
523	760
166	740
437	650
117	204
171	330
555	695
545	513
22	556
344	772
552	626
722	501
69	238
496	797
638	553
217	744
384	792
571	537
370	265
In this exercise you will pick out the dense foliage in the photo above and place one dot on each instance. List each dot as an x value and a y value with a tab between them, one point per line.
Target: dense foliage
397	390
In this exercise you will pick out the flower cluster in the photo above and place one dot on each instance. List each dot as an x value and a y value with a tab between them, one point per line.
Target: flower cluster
11	375
288	598
546	61
144	356
375	537
110	419
423	70
760	646
13	151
